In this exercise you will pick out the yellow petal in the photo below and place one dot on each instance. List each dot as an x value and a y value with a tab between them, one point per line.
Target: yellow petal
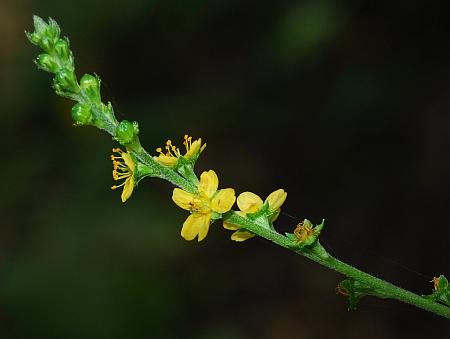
194	149
240	236
166	160
208	183
129	161
276	199
249	202
182	198
127	189
229	226
223	200
196	224
204	226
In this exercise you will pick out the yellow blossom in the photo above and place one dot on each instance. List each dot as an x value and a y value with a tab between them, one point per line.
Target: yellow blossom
170	158
249	203
123	168
203	204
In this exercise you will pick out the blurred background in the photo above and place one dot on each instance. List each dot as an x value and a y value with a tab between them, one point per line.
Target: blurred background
345	105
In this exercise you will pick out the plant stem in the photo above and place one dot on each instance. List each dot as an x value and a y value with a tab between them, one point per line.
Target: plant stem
383	287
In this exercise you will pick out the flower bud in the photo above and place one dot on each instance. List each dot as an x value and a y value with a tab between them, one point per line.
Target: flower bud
47	63
62	49
81	115
91	87
65	79
126	132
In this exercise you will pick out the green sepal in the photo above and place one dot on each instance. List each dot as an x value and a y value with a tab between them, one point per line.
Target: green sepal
81	115
441	291
310	240
90	85
354	290
215	216
263	211
142	171
186	169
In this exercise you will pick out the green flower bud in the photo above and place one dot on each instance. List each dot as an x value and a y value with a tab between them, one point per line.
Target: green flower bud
47	63
62	49
45	35
65	80
126	132
91	87
81	115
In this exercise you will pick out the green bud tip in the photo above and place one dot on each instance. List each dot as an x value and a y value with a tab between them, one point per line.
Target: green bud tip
47	63
81	115
91	86
126	132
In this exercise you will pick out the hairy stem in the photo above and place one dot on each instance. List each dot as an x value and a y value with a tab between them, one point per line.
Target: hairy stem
383	287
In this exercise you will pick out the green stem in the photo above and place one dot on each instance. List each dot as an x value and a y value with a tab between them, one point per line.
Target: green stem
164	172
385	288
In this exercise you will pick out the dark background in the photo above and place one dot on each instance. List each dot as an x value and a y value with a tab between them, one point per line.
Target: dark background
345	105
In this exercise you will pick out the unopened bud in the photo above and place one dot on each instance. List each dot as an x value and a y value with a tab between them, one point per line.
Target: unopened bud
91	87
47	63
126	132
66	80
62	49
81	115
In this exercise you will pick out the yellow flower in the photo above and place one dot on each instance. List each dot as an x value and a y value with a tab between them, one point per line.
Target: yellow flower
202	205
124	168
170	158
249	203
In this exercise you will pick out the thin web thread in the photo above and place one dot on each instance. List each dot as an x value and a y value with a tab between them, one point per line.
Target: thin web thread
372	253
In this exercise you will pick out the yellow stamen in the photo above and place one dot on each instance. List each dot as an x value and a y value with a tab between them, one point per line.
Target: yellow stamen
123	168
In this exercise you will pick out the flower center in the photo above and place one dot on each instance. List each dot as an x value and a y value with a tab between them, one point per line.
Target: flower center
120	169
303	231
200	205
